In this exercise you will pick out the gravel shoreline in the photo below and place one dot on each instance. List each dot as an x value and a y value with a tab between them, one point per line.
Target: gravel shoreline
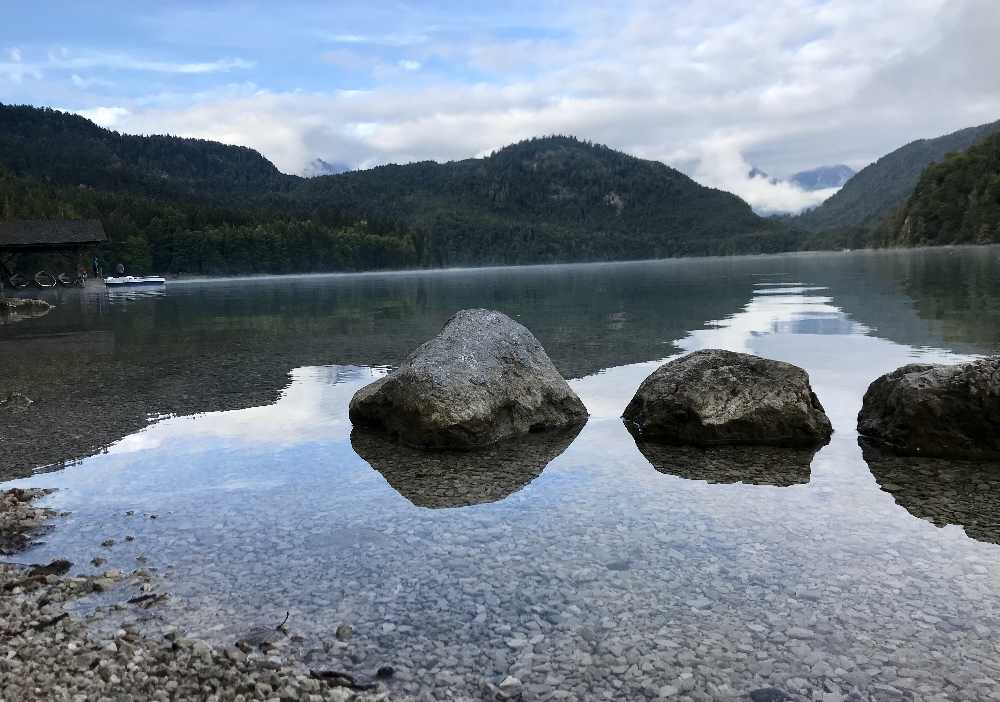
47	654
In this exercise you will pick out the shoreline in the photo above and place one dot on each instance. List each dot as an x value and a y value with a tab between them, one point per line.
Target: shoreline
185	279
53	654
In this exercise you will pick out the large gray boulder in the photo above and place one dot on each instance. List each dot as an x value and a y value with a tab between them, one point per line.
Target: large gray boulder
714	397
936	410
482	379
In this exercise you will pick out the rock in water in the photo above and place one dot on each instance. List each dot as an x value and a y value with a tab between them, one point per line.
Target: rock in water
15	309
482	379
714	397
948	411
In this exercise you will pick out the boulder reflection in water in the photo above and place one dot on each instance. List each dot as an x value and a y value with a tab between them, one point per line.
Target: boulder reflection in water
941	491
442	479
753	465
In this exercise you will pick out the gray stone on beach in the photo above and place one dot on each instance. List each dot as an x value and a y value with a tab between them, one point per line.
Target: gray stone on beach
52	655
483	378
949	411
715	397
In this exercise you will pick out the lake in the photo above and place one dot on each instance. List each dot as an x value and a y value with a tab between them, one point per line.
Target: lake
574	562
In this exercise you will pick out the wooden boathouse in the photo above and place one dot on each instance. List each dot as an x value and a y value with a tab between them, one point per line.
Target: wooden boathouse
66	237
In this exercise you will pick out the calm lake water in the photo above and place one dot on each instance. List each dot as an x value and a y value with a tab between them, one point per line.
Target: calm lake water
570	562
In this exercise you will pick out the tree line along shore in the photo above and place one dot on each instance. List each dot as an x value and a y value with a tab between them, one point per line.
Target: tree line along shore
191	206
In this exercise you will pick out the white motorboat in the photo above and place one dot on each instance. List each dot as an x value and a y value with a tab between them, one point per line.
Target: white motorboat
119	281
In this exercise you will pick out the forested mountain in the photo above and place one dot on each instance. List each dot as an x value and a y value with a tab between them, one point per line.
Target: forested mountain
193	206
174	205
67	149
178	205
956	201
881	187
548	199
156	234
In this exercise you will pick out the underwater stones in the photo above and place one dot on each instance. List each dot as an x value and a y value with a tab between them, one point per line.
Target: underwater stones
16	309
10	304
442	479
15	401
483	378
20	519
936	410
715	397
53	654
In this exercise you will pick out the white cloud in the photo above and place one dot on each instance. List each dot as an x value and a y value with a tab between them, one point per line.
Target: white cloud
15	70
126	62
387	39
409	65
720	164
347	39
709	87
85	83
62	60
109	117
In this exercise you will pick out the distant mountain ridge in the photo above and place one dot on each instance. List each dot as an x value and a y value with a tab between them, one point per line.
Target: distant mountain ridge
823	177
322	167
755	172
173	204
819	178
66	148
879	188
196	206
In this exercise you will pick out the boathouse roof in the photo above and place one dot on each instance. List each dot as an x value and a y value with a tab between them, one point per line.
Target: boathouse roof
25	234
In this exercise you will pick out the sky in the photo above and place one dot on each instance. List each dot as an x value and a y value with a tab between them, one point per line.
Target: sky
710	87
